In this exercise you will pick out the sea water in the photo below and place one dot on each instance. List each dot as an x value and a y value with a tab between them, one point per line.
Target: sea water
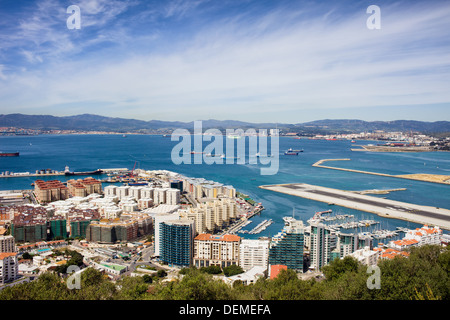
88	152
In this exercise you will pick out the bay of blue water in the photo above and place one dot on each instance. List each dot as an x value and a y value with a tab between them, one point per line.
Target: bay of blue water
153	152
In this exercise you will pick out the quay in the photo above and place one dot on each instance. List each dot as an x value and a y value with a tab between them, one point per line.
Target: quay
48	173
383	207
435	178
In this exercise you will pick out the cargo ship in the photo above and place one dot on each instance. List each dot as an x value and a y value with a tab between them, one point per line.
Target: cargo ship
67	172
9	154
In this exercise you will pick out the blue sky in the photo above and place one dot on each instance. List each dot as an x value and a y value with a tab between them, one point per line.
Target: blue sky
260	61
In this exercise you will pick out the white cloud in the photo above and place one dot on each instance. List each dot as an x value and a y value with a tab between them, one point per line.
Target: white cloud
241	67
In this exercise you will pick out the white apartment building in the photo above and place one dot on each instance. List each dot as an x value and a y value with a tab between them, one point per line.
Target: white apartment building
254	253
9	267
425	235
110	191
159	195
145	203
147	193
122	192
366	256
7	244
172	196
403	244
135	192
211	215
198	216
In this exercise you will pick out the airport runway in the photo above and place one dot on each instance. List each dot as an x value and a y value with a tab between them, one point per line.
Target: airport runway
382	207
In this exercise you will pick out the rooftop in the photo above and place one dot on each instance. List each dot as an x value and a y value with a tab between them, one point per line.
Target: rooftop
226	237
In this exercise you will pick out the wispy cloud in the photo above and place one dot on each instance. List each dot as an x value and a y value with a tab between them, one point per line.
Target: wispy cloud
275	65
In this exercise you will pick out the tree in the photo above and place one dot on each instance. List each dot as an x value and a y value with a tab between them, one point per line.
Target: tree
211	269
147	278
232	270
161	273
338	267
27	256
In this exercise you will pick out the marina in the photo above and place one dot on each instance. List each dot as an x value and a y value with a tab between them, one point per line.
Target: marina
259	228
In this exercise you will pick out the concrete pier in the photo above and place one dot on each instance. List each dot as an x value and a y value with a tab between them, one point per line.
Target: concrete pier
382	207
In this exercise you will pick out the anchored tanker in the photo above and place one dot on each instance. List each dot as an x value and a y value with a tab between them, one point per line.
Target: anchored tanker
67	172
9	154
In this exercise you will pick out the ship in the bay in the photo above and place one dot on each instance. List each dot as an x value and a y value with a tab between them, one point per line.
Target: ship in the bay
291	152
67	172
9	154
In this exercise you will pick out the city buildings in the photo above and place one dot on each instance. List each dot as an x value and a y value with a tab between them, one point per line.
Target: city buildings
117	230
366	256
286	248
7	244
177	242
323	241
48	191
9	267
212	250
212	215
254	253
425	235
84	187
157	220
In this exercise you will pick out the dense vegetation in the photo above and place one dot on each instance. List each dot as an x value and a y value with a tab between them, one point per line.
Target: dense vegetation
424	275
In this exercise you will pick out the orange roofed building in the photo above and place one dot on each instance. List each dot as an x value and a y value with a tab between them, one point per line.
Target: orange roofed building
425	235
48	191
275	270
390	253
212	250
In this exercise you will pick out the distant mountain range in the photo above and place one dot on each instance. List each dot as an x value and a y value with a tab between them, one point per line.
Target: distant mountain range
91	122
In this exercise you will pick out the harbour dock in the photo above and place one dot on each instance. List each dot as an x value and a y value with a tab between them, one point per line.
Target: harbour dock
261	227
383	207
50	172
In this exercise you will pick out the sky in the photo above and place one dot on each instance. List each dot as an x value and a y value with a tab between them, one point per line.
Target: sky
249	60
